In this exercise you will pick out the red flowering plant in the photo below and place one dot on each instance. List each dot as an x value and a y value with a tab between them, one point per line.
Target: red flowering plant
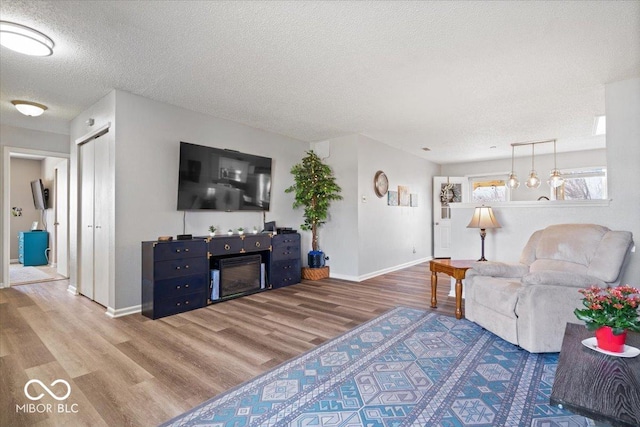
613	307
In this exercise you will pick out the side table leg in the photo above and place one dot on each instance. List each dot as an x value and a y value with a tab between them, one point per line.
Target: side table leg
458	299
434	287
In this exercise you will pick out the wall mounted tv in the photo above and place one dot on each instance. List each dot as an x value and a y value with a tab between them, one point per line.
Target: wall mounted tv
223	180
40	195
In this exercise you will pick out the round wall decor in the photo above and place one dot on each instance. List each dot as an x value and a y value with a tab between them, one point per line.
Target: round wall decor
380	184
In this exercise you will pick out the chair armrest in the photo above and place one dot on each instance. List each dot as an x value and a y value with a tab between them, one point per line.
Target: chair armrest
561	278
499	269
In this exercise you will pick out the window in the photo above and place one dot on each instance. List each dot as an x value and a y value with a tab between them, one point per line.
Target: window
583	184
486	189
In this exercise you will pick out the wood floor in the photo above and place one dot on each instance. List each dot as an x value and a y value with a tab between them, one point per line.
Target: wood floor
133	371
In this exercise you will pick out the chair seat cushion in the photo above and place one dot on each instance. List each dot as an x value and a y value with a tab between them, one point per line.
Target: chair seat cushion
498	294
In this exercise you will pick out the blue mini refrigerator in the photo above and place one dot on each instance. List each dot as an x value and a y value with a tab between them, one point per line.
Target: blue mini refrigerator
32	247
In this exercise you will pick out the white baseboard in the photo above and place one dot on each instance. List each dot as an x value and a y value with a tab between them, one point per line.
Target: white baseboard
379	272
72	289
113	313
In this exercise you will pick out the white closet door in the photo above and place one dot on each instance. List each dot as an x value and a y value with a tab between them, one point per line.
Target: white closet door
87	156
101	221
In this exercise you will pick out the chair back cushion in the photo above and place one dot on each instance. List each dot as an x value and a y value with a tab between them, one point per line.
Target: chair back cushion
587	249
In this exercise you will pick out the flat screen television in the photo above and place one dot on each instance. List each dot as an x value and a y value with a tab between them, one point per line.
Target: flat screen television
39	196
223	180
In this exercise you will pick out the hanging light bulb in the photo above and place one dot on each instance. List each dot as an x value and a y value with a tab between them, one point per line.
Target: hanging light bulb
555	179
513	182
533	181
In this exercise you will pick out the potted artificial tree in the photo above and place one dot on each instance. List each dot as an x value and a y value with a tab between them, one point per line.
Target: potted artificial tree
315	188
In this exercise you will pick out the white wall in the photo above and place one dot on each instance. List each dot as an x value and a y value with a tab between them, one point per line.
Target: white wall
621	213
622	102
14	139
522	166
366	237
391	236
338	237
145	159
23	171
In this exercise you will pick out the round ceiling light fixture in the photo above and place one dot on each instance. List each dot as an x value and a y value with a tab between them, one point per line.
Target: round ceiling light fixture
29	108
23	39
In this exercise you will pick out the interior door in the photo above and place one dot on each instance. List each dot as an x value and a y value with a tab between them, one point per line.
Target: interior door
101	221
87	155
446	190
61	221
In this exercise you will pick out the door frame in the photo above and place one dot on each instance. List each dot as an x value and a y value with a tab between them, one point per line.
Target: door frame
6	199
61	218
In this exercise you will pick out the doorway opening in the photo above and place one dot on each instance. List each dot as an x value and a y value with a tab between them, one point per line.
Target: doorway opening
37	245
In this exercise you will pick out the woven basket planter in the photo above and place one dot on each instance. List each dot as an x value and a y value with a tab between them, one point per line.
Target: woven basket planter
315	273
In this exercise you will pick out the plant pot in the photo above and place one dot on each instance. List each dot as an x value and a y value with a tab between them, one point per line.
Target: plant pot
212	233
315	259
610	342
315	273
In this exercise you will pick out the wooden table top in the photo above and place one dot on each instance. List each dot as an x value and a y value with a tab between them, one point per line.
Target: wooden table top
457	263
595	385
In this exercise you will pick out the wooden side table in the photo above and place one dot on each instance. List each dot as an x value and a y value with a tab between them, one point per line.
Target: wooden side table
453	268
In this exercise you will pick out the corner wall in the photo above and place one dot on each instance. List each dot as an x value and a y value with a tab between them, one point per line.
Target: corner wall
148	136
393	236
365	237
23	171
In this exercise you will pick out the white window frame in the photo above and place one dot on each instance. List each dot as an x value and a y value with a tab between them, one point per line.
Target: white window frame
585	172
499	176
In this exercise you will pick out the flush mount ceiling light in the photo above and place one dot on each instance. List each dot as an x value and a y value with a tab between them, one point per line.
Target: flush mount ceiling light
23	39
29	108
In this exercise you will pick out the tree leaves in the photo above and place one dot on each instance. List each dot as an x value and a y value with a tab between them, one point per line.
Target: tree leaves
315	188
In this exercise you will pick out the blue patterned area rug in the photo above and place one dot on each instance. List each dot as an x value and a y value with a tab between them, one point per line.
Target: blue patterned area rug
407	367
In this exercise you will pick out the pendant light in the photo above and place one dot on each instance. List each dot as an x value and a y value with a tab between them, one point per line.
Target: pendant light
513	182
555	179
533	181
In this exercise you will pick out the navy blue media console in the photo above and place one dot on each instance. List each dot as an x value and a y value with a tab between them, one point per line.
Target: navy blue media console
182	275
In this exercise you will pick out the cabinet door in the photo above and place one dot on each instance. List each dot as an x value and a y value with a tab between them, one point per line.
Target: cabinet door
101	215
87	155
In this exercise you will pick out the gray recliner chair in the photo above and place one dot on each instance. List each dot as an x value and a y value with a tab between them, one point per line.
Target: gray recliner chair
529	303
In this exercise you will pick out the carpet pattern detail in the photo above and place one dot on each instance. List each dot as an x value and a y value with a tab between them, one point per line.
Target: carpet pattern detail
407	367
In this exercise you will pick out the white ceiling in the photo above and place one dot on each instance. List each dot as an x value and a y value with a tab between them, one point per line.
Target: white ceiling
457	77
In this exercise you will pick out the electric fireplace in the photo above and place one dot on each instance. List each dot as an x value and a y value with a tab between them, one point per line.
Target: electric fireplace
239	275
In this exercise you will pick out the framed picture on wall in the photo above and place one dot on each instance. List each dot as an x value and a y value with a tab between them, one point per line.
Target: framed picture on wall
392	198
404	197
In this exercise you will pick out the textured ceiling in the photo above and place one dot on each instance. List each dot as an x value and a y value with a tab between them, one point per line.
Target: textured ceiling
457	77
